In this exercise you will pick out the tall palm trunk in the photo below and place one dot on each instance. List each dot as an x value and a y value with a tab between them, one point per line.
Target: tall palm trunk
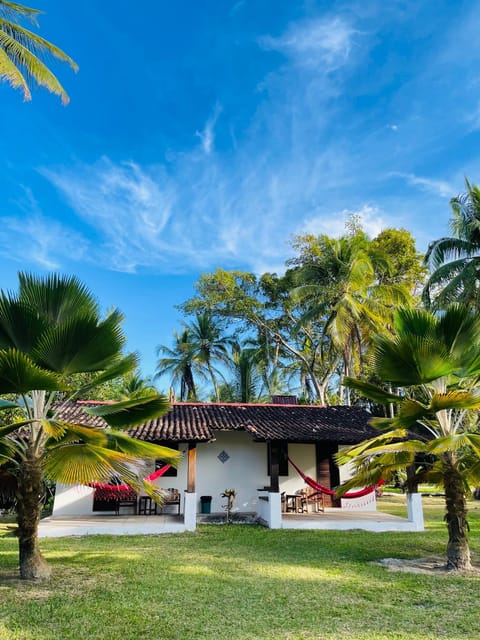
214	381
458	551
29	505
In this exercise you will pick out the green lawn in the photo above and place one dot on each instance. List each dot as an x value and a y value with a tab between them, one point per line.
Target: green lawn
242	582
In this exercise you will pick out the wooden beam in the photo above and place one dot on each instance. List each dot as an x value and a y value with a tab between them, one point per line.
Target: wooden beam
274	467
191	466
328	473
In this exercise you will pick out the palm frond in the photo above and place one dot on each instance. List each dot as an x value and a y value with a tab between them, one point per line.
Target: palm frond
12	74
371	391
80	344
19	374
82	463
56	297
141	449
455	399
62	432
131	413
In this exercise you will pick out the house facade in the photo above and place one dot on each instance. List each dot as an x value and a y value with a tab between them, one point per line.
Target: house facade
246	447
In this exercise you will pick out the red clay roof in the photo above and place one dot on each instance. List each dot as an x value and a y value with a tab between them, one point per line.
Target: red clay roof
197	422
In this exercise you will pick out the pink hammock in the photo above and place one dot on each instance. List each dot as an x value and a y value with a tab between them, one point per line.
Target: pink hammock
318	487
122	491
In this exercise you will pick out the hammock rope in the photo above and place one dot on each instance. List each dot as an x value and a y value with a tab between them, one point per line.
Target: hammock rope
330	492
118	491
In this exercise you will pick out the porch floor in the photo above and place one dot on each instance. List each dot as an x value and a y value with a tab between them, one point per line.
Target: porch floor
58	527
333	519
342	519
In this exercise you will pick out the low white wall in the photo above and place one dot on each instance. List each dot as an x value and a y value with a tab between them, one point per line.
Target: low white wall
415	511
269	509
190	514
73	500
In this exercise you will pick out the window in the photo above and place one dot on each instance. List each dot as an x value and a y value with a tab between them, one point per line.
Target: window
172	472
278	451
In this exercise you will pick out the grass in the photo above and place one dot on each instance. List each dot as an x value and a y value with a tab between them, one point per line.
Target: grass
242	583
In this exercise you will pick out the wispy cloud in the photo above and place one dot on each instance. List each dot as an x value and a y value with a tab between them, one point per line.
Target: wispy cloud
38	238
321	43
207	135
41	240
438	187
126	208
303	163
371	219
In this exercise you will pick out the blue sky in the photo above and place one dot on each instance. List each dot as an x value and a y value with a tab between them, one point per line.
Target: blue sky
205	134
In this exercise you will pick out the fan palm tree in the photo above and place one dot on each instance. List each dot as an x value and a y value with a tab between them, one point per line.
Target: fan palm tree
455	260
50	331
22	52
181	364
208	345
435	362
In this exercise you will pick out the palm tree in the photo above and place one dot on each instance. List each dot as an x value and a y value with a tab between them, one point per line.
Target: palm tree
134	386
455	260
208	345
246	375
340	289
181	364
22	52
434	360
50	331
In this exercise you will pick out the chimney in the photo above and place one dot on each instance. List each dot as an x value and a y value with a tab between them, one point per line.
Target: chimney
284	399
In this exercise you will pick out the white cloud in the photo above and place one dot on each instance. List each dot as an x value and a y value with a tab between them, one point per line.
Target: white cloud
438	187
207	135
371	218
125	206
322	43
40	240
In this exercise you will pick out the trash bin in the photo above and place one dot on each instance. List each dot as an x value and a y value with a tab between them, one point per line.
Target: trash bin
206	503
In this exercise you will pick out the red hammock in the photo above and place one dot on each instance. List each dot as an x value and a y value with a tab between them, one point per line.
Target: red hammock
318	487
122	491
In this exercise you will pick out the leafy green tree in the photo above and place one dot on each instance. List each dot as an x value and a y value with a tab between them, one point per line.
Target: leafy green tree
455	260
22	52
403	264
49	331
434	361
262	305
180	362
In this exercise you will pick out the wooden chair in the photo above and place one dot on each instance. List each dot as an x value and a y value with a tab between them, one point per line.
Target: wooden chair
129	500
146	506
172	498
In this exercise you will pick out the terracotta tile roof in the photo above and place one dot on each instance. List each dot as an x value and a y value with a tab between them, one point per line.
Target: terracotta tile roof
199	421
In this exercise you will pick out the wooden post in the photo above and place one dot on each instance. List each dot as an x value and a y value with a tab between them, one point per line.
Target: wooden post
328	473
274	467
191	466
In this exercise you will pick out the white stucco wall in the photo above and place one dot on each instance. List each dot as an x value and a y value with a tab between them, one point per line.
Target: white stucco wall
72	500
245	470
303	455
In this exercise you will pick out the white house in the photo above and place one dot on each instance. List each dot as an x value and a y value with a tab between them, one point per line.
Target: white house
246	447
